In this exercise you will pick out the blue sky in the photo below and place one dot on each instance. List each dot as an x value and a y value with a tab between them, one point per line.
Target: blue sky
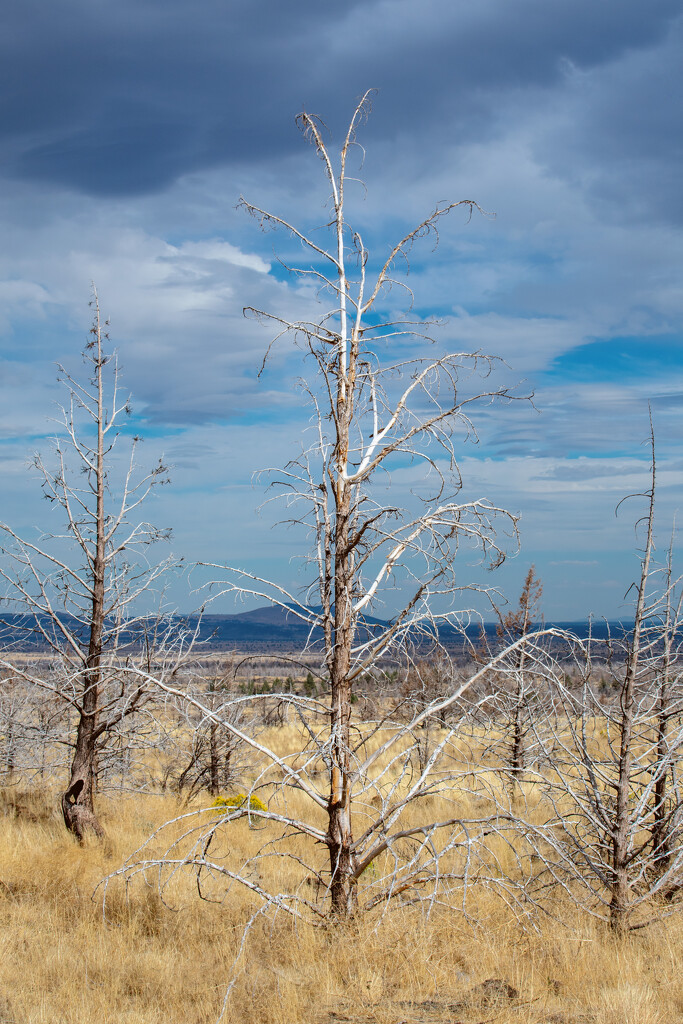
128	130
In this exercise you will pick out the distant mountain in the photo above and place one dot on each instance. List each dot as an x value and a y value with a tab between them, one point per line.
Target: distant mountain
270	615
268	625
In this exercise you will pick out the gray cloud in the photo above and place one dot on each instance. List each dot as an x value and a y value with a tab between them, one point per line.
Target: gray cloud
618	130
123	99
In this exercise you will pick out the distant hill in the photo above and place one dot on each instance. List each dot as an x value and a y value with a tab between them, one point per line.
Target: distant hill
272	627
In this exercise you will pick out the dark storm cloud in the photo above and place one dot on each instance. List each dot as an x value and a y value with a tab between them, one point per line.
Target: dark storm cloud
626	120
123	98
115	98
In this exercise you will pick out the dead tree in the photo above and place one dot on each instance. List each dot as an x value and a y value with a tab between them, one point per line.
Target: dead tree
516	699
426	681
368	413
78	588
206	756
515	624
613	801
372	407
668	672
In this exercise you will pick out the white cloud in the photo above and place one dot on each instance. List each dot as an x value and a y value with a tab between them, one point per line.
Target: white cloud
223	252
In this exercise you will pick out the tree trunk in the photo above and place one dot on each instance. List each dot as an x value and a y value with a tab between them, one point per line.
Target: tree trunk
518	752
518	745
661	849
339	834
227	766
342	862
661	827
77	801
214	782
621	824
9	746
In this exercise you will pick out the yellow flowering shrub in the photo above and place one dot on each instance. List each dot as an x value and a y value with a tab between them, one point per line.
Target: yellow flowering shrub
231	803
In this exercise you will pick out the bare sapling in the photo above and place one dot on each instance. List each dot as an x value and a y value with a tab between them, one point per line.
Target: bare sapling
202	754
517	696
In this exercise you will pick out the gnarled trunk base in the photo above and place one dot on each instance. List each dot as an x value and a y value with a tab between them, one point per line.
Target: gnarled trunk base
77	807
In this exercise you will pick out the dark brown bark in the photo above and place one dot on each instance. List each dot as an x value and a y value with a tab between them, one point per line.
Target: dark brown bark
620	884
516	624
77	801
661	830
661	838
227	764
518	738
9	746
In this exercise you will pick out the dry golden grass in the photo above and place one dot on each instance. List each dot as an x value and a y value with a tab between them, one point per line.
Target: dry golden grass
62	962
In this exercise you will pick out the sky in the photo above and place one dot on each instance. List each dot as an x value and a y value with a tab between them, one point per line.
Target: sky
128	132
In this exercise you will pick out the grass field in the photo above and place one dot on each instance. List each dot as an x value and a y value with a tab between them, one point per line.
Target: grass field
147	960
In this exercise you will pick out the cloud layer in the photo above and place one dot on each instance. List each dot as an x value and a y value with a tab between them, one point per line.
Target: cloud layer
128	132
